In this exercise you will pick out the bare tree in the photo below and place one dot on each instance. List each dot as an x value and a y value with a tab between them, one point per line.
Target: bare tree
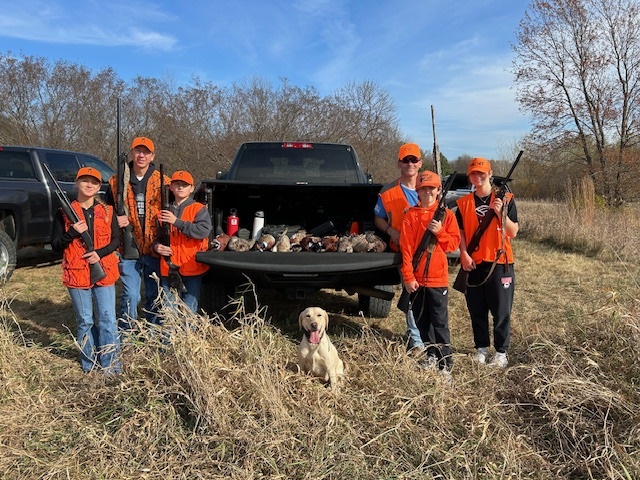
576	70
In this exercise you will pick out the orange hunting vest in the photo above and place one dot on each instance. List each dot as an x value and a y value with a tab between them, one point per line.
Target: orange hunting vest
396	205
491	240
153	204
184	248
75	269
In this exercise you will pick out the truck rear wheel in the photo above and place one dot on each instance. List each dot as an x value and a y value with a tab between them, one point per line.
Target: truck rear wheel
373	306
7	257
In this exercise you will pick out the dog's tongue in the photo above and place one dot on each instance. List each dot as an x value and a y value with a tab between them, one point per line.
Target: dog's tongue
314	337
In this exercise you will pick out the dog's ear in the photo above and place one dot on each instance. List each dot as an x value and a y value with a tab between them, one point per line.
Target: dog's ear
326	318
300	317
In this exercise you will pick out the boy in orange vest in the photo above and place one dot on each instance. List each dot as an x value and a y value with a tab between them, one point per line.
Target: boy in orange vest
428	284
189	234
97	334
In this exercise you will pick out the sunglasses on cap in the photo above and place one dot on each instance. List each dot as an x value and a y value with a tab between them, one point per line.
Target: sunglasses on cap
409	159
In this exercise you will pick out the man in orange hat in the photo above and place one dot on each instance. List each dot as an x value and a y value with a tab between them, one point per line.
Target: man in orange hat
394	200
189	234
491	278
428	284
143	203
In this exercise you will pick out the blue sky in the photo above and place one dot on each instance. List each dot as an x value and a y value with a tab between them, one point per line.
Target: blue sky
454	55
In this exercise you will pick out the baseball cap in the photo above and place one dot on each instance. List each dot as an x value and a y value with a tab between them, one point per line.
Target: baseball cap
409	149
89	171
182	176
479	164
427	178
142	141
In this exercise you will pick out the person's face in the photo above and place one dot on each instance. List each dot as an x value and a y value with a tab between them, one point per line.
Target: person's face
141	156
428	195
181	189
88	185
479	179
408	167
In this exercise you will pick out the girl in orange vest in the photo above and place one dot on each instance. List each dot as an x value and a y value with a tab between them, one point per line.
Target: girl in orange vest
428	284
97	333
490	266
189	234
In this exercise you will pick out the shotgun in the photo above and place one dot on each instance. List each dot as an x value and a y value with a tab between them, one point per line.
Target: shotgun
130	249
175	280
96	272
427	243
461	281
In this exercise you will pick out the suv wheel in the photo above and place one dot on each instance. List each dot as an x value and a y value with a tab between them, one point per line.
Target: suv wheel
7	257
375	307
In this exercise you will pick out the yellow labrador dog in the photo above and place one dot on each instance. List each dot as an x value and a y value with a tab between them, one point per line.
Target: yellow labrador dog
316	353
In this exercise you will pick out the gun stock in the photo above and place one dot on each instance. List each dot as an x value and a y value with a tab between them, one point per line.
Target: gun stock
96	272
130	250
175	280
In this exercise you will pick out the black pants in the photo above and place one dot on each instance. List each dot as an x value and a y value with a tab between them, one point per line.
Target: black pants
430	308
495	296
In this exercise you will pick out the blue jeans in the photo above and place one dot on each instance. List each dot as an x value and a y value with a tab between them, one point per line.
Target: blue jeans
132	274
97	335
413	333
191	296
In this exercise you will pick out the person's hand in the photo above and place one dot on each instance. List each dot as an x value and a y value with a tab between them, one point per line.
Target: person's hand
435	226
412	286
91	257
80	226
394	235
467	262
166	216
496	205
123	221
163	250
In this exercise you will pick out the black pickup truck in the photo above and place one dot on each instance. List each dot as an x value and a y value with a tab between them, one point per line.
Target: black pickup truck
316	187
27	200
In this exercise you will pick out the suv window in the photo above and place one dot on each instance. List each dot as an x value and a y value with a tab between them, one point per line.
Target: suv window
64	166
16	165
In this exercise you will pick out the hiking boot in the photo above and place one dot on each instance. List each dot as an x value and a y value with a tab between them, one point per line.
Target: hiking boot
429	362
480	355
499	360
416	351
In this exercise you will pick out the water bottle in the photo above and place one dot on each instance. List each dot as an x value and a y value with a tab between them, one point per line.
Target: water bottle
232	222
258	225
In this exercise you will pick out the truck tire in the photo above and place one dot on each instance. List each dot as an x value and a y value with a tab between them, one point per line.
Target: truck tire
214	297
7	257
375	307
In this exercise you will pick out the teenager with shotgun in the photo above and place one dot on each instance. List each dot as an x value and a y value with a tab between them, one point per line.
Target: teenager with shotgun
488	221
185	228
142	199
428	232
87	233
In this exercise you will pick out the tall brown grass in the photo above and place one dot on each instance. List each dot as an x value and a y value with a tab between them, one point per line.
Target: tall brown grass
203	398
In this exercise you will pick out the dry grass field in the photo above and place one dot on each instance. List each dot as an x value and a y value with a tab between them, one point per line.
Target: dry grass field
222	402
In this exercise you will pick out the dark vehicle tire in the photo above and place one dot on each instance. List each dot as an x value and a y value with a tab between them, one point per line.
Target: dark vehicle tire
214	297
8	257
375	307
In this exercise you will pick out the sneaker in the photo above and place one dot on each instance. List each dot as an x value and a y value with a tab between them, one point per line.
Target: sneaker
480	355
445	375
429	362
499	360
416	351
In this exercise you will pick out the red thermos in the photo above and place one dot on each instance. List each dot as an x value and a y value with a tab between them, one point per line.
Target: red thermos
232	222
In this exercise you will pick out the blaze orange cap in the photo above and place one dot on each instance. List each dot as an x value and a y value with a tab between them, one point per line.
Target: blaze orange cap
409	149
142	141
89	171
182	176
479	164
427	178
